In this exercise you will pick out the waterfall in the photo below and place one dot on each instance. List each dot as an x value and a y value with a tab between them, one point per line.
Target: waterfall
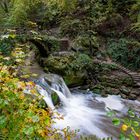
61	96
80	111
49	83
46	96
75	108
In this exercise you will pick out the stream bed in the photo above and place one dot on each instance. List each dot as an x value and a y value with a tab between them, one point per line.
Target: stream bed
81	110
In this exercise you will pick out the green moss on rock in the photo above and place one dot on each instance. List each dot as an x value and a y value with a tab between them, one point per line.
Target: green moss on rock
73	67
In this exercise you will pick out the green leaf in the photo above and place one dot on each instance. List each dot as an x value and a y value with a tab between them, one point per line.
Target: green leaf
47	120
135	123
116	121
110	114
30	114
122	137
28	130
35	118
127	139
131	113
131	137
2	121
12	36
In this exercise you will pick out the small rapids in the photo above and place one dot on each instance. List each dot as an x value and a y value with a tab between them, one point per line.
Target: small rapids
81	111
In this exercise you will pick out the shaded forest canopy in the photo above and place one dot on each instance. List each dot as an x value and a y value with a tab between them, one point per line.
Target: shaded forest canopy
89	23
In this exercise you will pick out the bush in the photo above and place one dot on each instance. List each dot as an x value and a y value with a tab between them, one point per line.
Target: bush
125	51
81	62
7	44
20	117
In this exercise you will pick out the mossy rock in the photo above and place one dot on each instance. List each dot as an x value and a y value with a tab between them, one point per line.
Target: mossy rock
127	81
97	89
51	42
112	85
55	98
72	67
58	64
74	80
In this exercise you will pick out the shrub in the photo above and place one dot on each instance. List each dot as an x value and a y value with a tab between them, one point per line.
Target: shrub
125	51
7	44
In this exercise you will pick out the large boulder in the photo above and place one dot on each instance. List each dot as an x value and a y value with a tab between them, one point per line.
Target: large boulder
72	67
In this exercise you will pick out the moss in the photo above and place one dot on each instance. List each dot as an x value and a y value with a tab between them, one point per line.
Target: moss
113	85
55	99
72	67
58	64
51	42
110	81
127	81
97	89
74	80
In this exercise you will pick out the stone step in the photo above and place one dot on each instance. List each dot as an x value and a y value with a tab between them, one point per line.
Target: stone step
134	75
138	78
138	84
135	79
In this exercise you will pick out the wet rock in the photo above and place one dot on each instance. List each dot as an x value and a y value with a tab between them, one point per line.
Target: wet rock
73	80
97	89
132	96
124	96
112	91
108	90
58	64
115	91
104	94
137	93
138	98
124	90
55	99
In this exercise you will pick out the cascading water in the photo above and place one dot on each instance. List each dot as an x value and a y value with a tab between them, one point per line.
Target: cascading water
80	111
46	97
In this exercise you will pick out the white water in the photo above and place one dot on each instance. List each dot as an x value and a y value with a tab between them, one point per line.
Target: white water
78	115
80	111
112	101
46	97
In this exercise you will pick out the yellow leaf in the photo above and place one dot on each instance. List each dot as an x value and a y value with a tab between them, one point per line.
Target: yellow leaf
22	96
124	127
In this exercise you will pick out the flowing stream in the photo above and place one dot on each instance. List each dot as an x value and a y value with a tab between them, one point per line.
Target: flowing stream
82	110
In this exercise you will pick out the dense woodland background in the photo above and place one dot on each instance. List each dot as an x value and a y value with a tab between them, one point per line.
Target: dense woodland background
104	26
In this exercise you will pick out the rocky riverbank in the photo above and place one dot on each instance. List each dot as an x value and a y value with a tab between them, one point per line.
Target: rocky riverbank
78	69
